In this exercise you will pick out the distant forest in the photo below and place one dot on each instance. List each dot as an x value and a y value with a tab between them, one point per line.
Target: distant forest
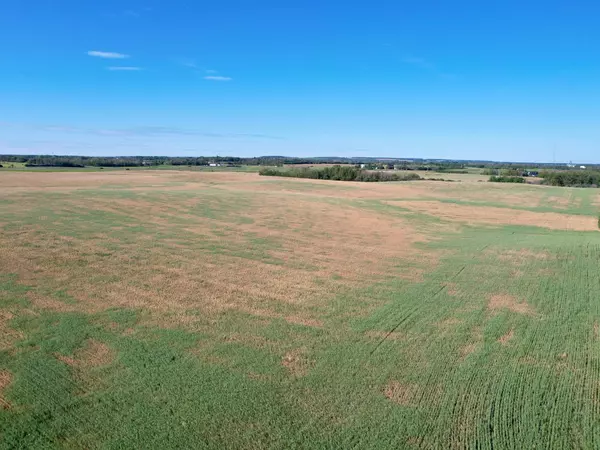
369	163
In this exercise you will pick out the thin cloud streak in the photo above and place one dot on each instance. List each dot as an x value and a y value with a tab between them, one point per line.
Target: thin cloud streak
124	68
187	62
424	64
217	78
107	55
141	131
131	13
418	62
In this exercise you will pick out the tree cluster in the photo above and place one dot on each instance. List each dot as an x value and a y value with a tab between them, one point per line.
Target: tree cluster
339	173
574	178
507	179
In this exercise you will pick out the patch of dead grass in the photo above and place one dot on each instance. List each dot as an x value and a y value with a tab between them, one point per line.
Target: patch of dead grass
522	255
8	335
468	349
558	202
451	288
490	215
5	380
505	338
499	302
321	249
475	342
296	362
93	354
448	324
402	394
49	303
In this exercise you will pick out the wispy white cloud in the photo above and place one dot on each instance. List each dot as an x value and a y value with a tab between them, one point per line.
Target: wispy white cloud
419	62
107	55
187	62
427	65
211	71
131	13
139	131
124	68
217	78
60	129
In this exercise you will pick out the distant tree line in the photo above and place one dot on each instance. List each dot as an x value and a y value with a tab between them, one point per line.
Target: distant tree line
506	179
339	173
368	163
573	178
139	161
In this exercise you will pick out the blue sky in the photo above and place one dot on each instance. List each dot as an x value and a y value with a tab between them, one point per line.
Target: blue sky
507	80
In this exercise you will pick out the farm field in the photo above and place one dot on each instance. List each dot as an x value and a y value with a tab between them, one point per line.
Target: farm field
12	166
181	309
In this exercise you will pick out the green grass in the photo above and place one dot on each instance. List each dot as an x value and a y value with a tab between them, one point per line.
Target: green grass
433	345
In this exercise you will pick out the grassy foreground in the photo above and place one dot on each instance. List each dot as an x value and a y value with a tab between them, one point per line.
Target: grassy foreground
199	310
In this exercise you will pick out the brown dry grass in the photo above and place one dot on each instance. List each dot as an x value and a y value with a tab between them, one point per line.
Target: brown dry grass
296	362
81	180
8	335
448	324
557	202
499	302
402	394
500	216
322	249
93	354
317	244
522	255
476	340
451	289
49	303
5	380
506	337
466	350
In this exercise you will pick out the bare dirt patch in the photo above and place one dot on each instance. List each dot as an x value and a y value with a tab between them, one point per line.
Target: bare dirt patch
499	302
5	380
500	216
